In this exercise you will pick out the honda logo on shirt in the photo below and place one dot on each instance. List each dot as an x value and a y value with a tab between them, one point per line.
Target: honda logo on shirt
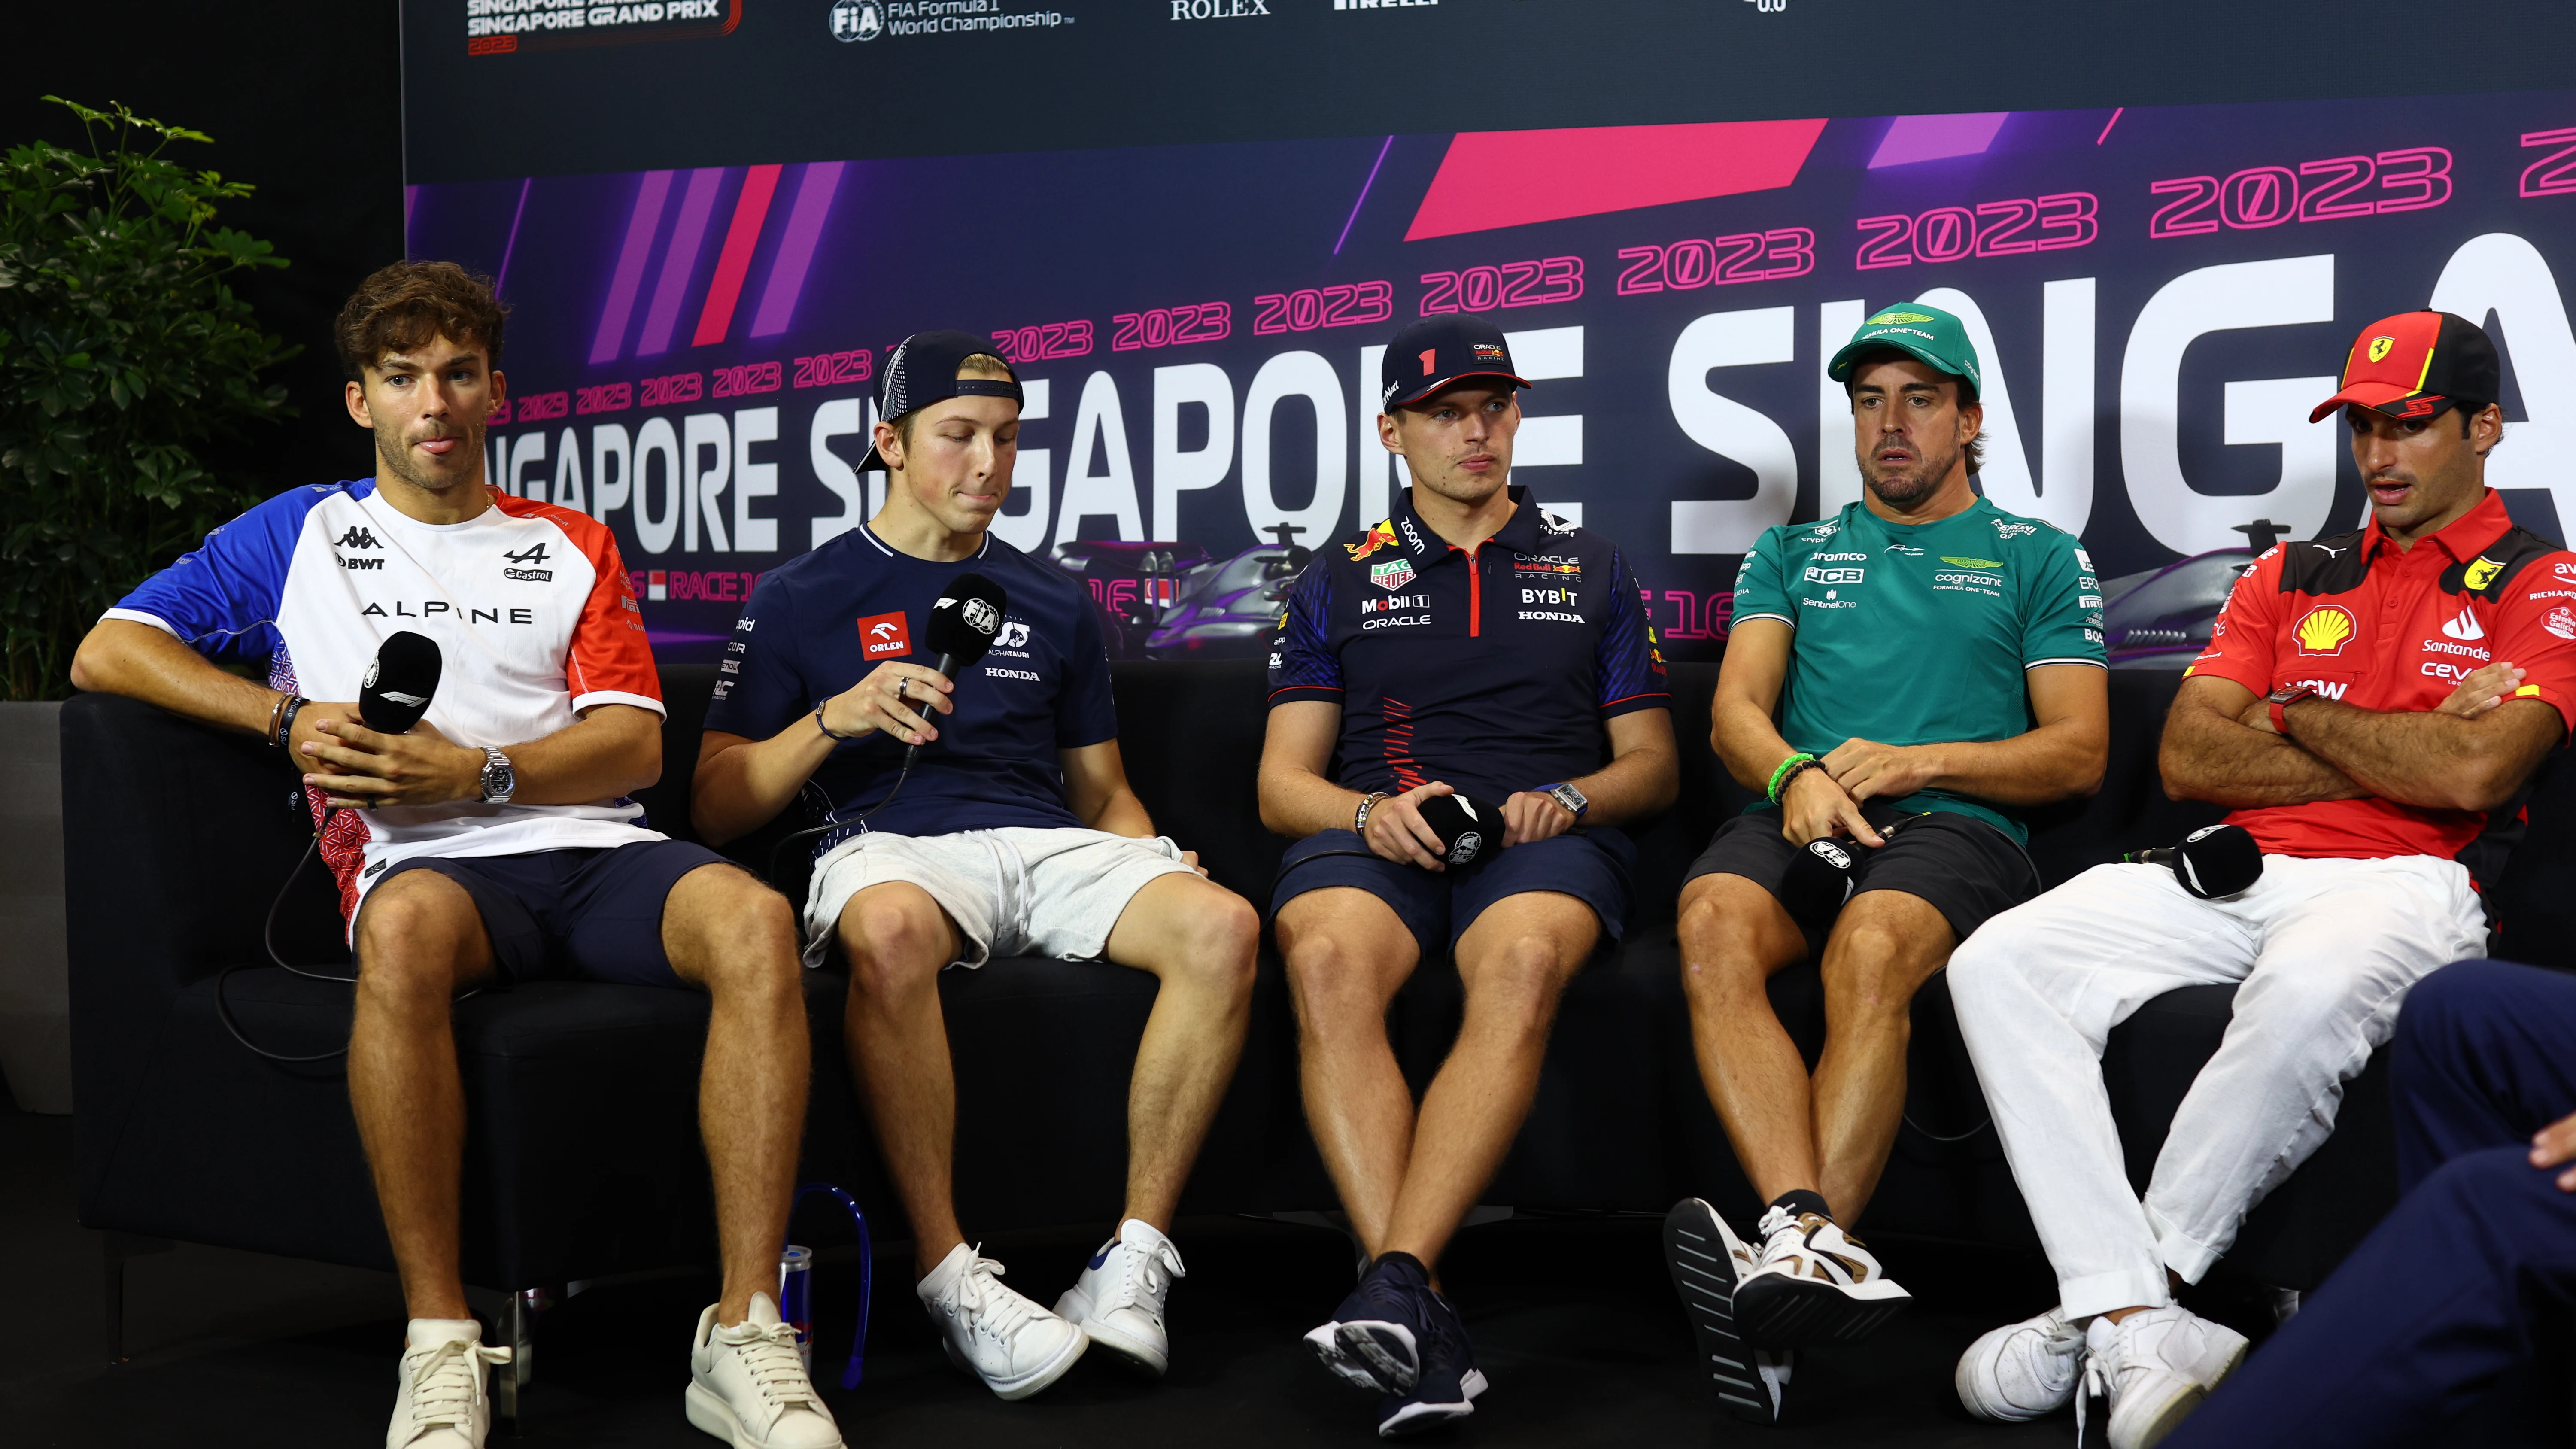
2465	626
883	636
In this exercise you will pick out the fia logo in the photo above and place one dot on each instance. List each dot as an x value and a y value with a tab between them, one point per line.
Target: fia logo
356	537
857	20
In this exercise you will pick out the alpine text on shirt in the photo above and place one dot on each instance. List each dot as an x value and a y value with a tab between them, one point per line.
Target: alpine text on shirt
2370	624
527	603
1492	671
1918	634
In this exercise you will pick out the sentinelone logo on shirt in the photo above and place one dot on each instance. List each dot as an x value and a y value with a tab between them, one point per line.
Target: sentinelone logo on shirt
884	636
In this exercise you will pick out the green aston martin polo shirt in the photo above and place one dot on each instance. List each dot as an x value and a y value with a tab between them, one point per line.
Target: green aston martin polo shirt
1918	634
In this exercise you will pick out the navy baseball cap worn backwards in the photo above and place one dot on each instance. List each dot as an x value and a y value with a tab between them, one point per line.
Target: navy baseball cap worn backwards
1927	334
922	370
1437	351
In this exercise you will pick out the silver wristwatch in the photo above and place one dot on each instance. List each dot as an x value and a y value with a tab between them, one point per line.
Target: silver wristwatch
500	778
1569	797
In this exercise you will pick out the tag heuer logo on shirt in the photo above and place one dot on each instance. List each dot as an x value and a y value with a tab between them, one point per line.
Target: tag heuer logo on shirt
1391	575
883	636
2324	629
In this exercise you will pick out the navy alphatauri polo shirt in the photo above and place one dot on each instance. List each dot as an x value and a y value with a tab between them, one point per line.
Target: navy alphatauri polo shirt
1492	671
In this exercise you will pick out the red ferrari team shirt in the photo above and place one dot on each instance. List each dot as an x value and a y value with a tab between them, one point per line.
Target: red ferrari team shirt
2389	629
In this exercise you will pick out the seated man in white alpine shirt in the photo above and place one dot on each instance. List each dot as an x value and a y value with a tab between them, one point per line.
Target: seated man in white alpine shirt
492	842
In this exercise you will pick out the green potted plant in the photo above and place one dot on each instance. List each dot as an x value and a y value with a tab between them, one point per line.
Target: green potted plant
124	353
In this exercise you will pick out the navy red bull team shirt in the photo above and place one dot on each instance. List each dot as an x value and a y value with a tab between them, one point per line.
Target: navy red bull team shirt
1493	670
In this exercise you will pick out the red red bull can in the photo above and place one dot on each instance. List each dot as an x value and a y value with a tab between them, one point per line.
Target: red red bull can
796	1298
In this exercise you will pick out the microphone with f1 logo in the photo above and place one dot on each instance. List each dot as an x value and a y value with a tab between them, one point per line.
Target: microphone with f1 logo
962	626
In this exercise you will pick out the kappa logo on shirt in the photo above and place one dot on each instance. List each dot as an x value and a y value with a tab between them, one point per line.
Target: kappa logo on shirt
884	636
356	537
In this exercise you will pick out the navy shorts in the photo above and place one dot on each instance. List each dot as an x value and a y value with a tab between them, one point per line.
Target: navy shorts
1439	906
580	915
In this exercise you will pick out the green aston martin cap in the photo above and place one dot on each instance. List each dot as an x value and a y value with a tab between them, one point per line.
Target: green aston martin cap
1928	334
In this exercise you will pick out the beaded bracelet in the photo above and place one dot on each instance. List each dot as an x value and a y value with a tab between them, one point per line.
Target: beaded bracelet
1788	770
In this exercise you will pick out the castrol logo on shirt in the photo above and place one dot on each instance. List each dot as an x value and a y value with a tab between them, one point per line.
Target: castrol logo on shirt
2324	629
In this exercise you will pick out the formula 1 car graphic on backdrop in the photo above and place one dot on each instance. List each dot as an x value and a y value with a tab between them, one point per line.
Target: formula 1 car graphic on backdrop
1172	601
2160	618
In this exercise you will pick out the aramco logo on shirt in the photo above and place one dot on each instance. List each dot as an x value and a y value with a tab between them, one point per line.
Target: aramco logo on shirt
2324	629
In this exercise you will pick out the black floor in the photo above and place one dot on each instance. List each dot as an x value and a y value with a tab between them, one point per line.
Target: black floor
1573	1322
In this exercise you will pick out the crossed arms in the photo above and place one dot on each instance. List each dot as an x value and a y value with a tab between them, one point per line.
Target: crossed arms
2063	755
2472	752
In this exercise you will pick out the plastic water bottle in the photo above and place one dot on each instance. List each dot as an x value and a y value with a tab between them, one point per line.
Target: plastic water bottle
796	1298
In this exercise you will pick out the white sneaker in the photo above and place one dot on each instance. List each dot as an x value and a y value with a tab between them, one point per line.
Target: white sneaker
748	1386
2155	1367
2023	1370
1814	1284
1118	1300
443	1404
1013	1345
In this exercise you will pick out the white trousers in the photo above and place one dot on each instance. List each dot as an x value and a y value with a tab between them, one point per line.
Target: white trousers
2326	950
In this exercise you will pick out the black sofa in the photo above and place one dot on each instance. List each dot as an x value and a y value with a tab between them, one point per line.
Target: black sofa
583	1162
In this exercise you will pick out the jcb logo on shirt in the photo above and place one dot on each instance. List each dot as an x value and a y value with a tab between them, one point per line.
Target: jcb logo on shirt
2324	629
886	635
1817	575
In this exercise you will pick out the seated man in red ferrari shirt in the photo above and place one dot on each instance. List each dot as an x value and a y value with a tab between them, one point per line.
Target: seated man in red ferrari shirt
2325	713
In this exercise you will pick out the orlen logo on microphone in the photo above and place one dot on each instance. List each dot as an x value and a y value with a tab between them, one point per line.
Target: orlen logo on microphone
886	635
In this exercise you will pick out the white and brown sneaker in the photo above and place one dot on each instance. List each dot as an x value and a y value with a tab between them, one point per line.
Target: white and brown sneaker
1814	1284
1707	1261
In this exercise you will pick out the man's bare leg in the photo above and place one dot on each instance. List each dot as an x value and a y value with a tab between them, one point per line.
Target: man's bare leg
1735	936
1515	962
1885	945
420	940
1198	940
1347	953
898	940
736	938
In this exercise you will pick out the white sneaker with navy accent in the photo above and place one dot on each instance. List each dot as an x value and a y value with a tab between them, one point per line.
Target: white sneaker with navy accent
1118	1301
2022	1371
2155	1367
1814	1284
1013	1345
443	1403
748	1385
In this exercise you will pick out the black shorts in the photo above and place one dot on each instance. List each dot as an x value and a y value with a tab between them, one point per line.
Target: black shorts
1439	906
581	915
1965	868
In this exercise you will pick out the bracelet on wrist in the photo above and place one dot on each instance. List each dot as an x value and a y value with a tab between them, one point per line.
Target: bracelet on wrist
287	710
1786	771
1359	817
827	729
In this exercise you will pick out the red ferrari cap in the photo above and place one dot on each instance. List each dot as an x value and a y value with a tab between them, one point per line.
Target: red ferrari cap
2416	364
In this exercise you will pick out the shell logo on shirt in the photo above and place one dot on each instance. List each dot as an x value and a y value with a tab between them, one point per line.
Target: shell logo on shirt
2324	629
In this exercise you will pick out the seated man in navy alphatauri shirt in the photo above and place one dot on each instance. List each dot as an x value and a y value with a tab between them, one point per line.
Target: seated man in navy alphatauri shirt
1474	645
1015	834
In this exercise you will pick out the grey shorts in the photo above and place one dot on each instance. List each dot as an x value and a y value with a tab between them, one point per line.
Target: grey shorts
1015	891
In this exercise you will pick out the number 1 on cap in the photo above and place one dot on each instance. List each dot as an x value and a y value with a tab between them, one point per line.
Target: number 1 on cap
1427	354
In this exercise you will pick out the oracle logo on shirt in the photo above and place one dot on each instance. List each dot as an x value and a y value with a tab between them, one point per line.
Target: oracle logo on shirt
883	636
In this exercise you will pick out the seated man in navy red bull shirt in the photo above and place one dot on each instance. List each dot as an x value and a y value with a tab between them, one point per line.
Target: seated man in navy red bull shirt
2325	713
492	841
1472	645
1014	834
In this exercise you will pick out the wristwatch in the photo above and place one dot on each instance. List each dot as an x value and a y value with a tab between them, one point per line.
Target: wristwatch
1567	796
500	779
2281	699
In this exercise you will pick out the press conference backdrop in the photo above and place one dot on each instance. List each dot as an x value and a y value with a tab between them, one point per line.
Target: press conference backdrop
2160	293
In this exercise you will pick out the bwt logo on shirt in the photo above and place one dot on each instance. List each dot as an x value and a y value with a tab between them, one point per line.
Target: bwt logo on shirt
884	636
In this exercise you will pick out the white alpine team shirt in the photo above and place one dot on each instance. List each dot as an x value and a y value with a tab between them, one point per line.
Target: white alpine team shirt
529	606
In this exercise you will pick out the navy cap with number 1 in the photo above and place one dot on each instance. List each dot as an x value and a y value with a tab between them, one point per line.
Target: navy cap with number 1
1437	351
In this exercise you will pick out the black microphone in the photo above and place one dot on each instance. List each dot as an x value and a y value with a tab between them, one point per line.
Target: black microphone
2215	862
1817	883
399	683
1469	829
963	624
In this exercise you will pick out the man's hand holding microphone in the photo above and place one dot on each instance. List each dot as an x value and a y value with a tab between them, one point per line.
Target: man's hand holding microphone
897	699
